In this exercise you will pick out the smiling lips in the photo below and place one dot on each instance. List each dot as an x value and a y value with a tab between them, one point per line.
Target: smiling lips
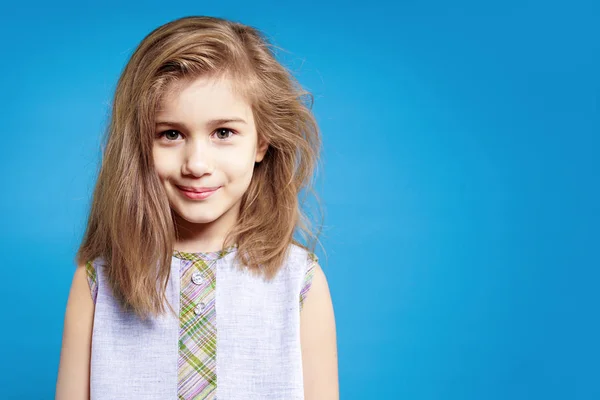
197	193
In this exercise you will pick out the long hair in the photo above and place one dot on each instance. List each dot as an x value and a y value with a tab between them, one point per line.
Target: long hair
130	223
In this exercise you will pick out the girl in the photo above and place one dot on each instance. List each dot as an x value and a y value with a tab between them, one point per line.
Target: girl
189	283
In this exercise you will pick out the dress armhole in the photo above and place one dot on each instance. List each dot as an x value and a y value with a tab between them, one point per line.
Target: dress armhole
308	276
92	280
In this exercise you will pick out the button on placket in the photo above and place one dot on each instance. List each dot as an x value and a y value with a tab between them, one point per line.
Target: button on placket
199	308
197	278
202	277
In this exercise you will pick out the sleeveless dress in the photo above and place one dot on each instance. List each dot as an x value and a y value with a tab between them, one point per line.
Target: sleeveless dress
237	335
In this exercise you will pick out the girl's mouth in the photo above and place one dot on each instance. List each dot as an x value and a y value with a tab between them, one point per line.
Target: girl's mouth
198	195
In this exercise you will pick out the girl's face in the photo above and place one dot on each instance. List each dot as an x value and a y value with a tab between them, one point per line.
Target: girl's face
206	141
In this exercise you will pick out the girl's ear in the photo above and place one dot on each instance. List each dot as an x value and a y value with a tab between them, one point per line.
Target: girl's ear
261	150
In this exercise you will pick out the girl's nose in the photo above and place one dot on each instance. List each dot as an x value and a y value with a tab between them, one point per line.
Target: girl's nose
198	160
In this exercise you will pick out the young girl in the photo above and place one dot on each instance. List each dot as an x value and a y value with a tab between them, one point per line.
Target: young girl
190	284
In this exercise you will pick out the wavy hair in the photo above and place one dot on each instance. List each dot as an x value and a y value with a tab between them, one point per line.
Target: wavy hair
131	225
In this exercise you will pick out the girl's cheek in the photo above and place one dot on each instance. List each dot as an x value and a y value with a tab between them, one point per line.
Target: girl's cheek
235	160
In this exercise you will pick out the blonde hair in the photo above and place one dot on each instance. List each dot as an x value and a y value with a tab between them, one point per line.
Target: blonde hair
131	224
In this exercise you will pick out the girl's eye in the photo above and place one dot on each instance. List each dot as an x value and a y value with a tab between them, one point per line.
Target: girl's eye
170	133
223	133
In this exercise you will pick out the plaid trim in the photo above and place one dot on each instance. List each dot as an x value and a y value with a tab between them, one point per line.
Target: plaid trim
197	377
92	280
308	277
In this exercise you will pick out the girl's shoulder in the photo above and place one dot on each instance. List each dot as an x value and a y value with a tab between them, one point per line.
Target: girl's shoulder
92	278
302	255
92	267
307	261
308	278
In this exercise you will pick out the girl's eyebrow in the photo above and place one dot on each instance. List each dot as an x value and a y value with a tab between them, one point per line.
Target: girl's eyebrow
209	124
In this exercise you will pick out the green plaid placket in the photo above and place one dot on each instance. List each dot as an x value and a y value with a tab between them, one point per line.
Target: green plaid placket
197	377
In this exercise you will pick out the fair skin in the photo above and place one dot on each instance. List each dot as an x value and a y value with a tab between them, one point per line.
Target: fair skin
205	138
318	341
196	147
73	382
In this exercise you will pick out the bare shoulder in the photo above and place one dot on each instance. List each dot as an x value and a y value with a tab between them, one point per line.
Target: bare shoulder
80	299
318	341
73	371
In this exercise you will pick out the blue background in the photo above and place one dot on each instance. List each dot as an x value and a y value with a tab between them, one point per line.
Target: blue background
459	180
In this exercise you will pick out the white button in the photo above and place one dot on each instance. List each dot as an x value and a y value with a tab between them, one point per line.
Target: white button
199	308
197	278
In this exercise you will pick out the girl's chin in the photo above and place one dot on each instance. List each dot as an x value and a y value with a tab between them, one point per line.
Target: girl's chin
198	220
192	218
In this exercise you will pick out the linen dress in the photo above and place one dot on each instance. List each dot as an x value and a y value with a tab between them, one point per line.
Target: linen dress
237	335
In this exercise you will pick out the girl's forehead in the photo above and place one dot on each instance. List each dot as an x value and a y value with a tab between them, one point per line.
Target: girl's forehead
204	93
203	102
203	88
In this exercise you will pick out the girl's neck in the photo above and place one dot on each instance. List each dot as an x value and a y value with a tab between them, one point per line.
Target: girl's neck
197	246
193	237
